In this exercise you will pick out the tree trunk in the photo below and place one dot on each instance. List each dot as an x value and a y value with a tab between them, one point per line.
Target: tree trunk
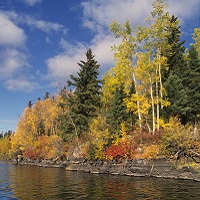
152	104
138	108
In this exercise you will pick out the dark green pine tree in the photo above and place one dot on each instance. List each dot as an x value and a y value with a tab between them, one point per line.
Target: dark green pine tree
118	112
174	76
193	83
85	101
178	98
175	54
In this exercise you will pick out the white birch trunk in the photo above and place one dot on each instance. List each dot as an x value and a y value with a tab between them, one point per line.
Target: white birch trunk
152	104
138	107
157	103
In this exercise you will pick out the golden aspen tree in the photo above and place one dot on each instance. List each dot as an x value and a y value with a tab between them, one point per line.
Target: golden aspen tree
153	40
124	72
141	54
120	74
50	112
24	135
4	146
37	120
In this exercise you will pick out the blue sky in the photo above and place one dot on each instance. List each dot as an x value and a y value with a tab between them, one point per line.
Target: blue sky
41	42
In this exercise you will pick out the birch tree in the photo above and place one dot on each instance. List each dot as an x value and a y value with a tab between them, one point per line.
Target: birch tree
152	39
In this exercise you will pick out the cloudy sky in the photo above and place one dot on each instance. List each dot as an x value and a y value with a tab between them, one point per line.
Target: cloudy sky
41	42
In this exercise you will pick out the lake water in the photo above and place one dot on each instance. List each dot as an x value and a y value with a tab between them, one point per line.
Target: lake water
25	182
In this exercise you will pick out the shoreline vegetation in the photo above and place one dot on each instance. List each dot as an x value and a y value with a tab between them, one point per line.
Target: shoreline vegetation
146	107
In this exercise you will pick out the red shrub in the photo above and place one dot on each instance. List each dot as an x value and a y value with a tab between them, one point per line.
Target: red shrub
30	153
122	150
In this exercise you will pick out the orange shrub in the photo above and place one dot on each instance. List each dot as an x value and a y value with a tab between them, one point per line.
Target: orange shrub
49	146
151	152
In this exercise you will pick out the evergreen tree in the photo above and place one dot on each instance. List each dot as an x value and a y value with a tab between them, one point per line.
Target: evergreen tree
175	54
193	83
175	75
118	111
30	104
46	95
85	101
178	98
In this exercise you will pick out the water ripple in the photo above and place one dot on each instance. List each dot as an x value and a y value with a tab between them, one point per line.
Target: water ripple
31	182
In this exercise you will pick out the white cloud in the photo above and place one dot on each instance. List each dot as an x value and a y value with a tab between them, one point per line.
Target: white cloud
10	34
12	61
101	47
188	13
13	70
64	64
42	25
98	14
48	40
13	50
20	84
184	9
13	55
31	21
31	2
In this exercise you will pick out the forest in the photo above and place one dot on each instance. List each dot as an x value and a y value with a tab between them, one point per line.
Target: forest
146	106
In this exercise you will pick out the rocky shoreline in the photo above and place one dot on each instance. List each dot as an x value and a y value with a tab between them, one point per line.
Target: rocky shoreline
139	167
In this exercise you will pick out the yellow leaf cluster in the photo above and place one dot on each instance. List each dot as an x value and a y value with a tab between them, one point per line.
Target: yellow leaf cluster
151	152
99	135
131	104
4	147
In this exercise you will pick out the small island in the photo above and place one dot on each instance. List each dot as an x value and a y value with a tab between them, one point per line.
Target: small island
141	119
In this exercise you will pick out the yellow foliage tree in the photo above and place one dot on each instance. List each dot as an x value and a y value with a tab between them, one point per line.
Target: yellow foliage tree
25	134
4	147
120	74
49	147
98	137
139	60
40	119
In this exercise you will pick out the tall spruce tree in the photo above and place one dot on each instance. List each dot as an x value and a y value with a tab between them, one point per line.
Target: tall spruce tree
193	83
175	54
175	75
178	98
85	101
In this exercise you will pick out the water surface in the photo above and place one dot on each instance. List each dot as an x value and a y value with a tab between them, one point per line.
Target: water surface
26	182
